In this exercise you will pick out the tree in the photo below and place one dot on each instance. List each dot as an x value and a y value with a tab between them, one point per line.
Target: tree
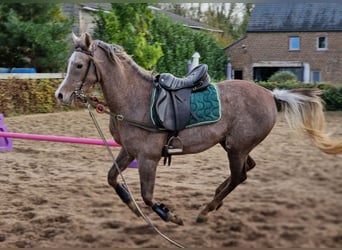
33	35
155	41
128	25
232	18
179	43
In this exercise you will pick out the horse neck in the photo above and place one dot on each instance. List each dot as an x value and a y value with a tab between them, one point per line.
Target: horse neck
127	90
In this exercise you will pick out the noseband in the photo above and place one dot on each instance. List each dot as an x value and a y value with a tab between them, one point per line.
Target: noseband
79	92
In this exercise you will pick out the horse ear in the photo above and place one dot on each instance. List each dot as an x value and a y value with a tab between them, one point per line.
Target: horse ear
87	39
75	39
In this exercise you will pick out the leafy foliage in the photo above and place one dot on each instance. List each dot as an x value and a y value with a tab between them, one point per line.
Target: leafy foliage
157	42
33	35
23	96
231	18
128	25
282	76
179	43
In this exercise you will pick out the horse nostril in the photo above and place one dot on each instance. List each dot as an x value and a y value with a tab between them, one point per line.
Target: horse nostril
60	96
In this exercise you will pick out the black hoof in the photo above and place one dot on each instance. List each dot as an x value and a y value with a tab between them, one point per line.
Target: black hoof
162	211
201	219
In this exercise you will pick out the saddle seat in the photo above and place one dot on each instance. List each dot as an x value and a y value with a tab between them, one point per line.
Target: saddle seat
196	79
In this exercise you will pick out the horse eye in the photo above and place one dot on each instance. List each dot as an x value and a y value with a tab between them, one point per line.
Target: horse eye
79	66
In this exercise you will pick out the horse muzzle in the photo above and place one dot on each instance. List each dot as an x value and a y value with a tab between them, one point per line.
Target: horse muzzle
64	98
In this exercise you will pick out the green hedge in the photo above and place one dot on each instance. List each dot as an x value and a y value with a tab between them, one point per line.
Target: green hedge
332	94
23	96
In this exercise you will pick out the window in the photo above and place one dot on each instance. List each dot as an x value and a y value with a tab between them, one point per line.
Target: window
238	74
294	43
322	43
316	76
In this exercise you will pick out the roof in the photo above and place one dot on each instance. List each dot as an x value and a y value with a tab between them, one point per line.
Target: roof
176	18
96	6
185	21
281	17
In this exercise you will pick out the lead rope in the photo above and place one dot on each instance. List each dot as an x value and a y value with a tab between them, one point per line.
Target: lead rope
147	219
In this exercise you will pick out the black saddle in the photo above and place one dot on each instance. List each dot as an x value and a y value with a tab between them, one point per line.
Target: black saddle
172	96
196	79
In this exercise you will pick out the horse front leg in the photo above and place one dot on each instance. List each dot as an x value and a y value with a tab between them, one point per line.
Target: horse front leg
122	161
147	173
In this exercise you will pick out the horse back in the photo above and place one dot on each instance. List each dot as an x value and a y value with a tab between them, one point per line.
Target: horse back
246	97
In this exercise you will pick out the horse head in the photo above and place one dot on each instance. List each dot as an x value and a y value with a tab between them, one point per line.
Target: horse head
81	73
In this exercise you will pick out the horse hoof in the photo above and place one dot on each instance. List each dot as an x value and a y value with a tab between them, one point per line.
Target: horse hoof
219	205
202	219
134	209
176	220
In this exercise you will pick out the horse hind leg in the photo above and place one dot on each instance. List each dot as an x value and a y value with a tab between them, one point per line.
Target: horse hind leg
238	168
249	164
122	161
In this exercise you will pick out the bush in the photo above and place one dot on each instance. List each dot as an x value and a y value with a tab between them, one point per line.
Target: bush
282	76
332	94
24	96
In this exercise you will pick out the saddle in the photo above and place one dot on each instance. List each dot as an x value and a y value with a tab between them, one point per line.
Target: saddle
172	97
196	79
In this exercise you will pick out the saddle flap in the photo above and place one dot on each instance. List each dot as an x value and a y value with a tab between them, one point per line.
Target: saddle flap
164	108
173	108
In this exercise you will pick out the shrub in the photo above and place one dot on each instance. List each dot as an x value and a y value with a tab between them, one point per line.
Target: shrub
24	96
282	76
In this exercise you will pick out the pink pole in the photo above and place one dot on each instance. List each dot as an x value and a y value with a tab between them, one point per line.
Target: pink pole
54	138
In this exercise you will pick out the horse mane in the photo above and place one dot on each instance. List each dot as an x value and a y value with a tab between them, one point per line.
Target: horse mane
118	55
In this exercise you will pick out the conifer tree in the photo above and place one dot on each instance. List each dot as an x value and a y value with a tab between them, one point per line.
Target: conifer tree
33	35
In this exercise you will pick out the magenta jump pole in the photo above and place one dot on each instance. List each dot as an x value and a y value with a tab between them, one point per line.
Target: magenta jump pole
54	138
6	143
65	139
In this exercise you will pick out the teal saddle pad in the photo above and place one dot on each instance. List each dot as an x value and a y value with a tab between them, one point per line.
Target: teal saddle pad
205	107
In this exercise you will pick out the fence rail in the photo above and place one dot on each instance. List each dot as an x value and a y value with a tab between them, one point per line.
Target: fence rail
32	75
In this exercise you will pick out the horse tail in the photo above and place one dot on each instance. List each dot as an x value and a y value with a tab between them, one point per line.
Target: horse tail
303	110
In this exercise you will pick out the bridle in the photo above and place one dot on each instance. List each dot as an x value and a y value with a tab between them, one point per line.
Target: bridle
79	93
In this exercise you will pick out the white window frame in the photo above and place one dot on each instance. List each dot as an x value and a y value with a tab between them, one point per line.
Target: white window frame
326	43
290	43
